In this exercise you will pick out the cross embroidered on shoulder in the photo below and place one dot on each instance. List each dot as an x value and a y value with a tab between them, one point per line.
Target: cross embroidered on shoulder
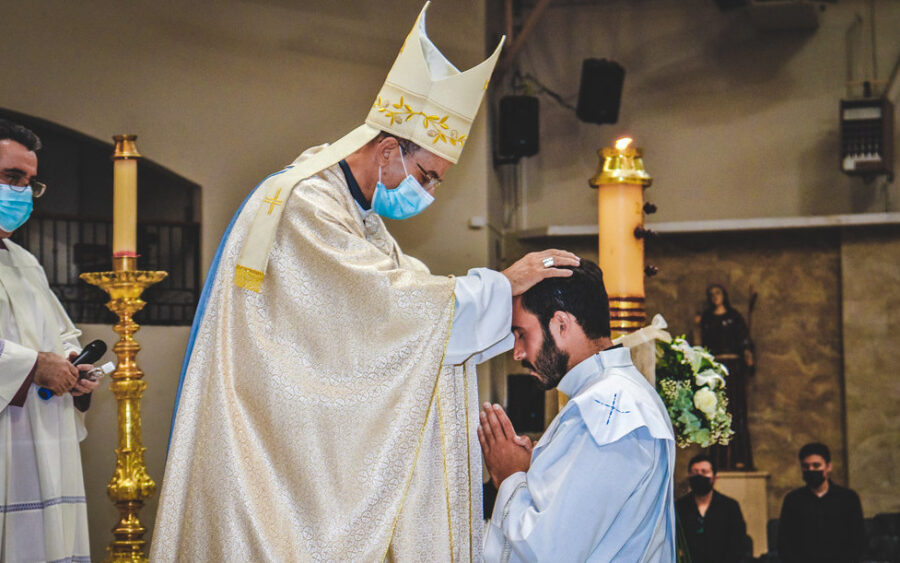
612	407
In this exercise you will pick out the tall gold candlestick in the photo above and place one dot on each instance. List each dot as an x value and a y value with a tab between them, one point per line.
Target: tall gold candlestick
125	157
620	184
130	485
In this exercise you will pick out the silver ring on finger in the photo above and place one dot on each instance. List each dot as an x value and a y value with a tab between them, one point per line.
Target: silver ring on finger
548	262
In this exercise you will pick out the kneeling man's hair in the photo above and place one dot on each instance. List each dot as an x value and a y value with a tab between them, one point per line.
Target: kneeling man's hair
582	295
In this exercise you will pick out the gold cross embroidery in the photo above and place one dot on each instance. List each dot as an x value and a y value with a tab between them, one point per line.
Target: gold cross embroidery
273	201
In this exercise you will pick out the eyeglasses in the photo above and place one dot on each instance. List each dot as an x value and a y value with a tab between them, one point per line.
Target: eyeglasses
13	180
433	180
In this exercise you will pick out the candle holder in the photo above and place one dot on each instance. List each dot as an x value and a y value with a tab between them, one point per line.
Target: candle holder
125	156
620	182
130	485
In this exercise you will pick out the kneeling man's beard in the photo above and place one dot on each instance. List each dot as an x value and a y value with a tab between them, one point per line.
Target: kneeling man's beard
551	363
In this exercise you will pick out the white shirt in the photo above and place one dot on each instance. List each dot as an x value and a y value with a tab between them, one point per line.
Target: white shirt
600	485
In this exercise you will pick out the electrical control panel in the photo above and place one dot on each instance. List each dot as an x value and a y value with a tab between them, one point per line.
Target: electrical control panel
867	137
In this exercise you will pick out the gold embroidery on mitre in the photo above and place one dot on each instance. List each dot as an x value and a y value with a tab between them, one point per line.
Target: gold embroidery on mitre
248	278
436	125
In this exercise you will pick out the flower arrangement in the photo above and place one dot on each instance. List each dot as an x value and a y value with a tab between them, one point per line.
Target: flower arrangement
692	385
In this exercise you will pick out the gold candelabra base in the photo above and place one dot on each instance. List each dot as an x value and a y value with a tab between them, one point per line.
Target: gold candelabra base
130	485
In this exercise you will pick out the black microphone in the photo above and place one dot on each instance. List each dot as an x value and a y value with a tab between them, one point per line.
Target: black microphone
90	354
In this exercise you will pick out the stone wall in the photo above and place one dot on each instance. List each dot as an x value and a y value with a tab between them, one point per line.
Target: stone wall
795	395
871	316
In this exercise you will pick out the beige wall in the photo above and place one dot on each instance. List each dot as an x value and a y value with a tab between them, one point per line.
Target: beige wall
735	123
224	93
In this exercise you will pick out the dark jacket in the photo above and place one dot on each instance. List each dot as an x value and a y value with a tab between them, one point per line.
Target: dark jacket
824	530
718	537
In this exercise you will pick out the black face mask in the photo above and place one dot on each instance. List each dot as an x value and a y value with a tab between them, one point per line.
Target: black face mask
700	484
814	477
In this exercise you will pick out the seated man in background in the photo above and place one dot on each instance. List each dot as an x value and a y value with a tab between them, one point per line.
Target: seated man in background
598	484
821	522
713	524
43	514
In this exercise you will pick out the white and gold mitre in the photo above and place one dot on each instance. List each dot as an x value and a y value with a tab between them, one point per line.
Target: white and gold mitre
426	99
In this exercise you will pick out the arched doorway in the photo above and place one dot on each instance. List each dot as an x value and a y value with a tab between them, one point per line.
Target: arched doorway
70	231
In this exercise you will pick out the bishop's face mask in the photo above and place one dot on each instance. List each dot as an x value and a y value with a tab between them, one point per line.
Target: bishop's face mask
409	198
15	207
700	484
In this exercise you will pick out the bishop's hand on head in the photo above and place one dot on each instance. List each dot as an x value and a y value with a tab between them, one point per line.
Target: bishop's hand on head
537	266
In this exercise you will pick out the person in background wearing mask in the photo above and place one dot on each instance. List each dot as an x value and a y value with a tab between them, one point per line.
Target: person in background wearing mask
821	522
43	514
713	523
330	378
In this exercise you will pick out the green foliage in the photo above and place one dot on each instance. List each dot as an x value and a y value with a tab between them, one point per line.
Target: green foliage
692	386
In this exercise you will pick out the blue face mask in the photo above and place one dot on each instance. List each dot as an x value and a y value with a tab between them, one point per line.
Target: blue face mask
407	199
15	207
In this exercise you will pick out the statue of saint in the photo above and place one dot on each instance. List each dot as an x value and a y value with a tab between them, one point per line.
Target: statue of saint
724	333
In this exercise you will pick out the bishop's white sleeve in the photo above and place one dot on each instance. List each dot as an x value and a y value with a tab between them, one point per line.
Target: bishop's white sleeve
482	318
571	505
16	362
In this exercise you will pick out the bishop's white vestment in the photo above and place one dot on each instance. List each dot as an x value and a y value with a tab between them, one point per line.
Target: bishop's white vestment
331	416
43	514
600	485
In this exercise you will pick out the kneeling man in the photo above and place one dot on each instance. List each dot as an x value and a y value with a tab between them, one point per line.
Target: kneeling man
598	484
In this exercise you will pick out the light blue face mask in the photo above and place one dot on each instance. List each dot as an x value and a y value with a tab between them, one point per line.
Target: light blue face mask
407	199
15	207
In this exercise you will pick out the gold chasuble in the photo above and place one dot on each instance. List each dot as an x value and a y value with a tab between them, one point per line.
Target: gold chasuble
283	449
315	420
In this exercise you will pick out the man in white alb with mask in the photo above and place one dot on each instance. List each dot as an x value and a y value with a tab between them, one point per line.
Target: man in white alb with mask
43	513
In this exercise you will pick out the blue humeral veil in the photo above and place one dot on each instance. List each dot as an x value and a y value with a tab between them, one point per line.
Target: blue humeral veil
204	298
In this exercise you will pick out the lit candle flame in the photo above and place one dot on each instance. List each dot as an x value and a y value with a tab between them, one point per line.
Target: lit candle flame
623	143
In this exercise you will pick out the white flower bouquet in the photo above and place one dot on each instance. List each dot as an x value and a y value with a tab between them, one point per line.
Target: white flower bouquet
692	385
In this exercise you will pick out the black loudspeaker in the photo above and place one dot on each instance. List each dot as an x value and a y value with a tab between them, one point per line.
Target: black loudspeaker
525	403
601	91
518	129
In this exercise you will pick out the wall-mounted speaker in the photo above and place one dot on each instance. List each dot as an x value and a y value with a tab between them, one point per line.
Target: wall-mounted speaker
518	128
601	91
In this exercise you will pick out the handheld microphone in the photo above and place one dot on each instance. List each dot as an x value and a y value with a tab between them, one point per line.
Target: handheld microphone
90	354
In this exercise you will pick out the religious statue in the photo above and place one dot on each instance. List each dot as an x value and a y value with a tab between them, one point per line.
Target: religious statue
724	333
